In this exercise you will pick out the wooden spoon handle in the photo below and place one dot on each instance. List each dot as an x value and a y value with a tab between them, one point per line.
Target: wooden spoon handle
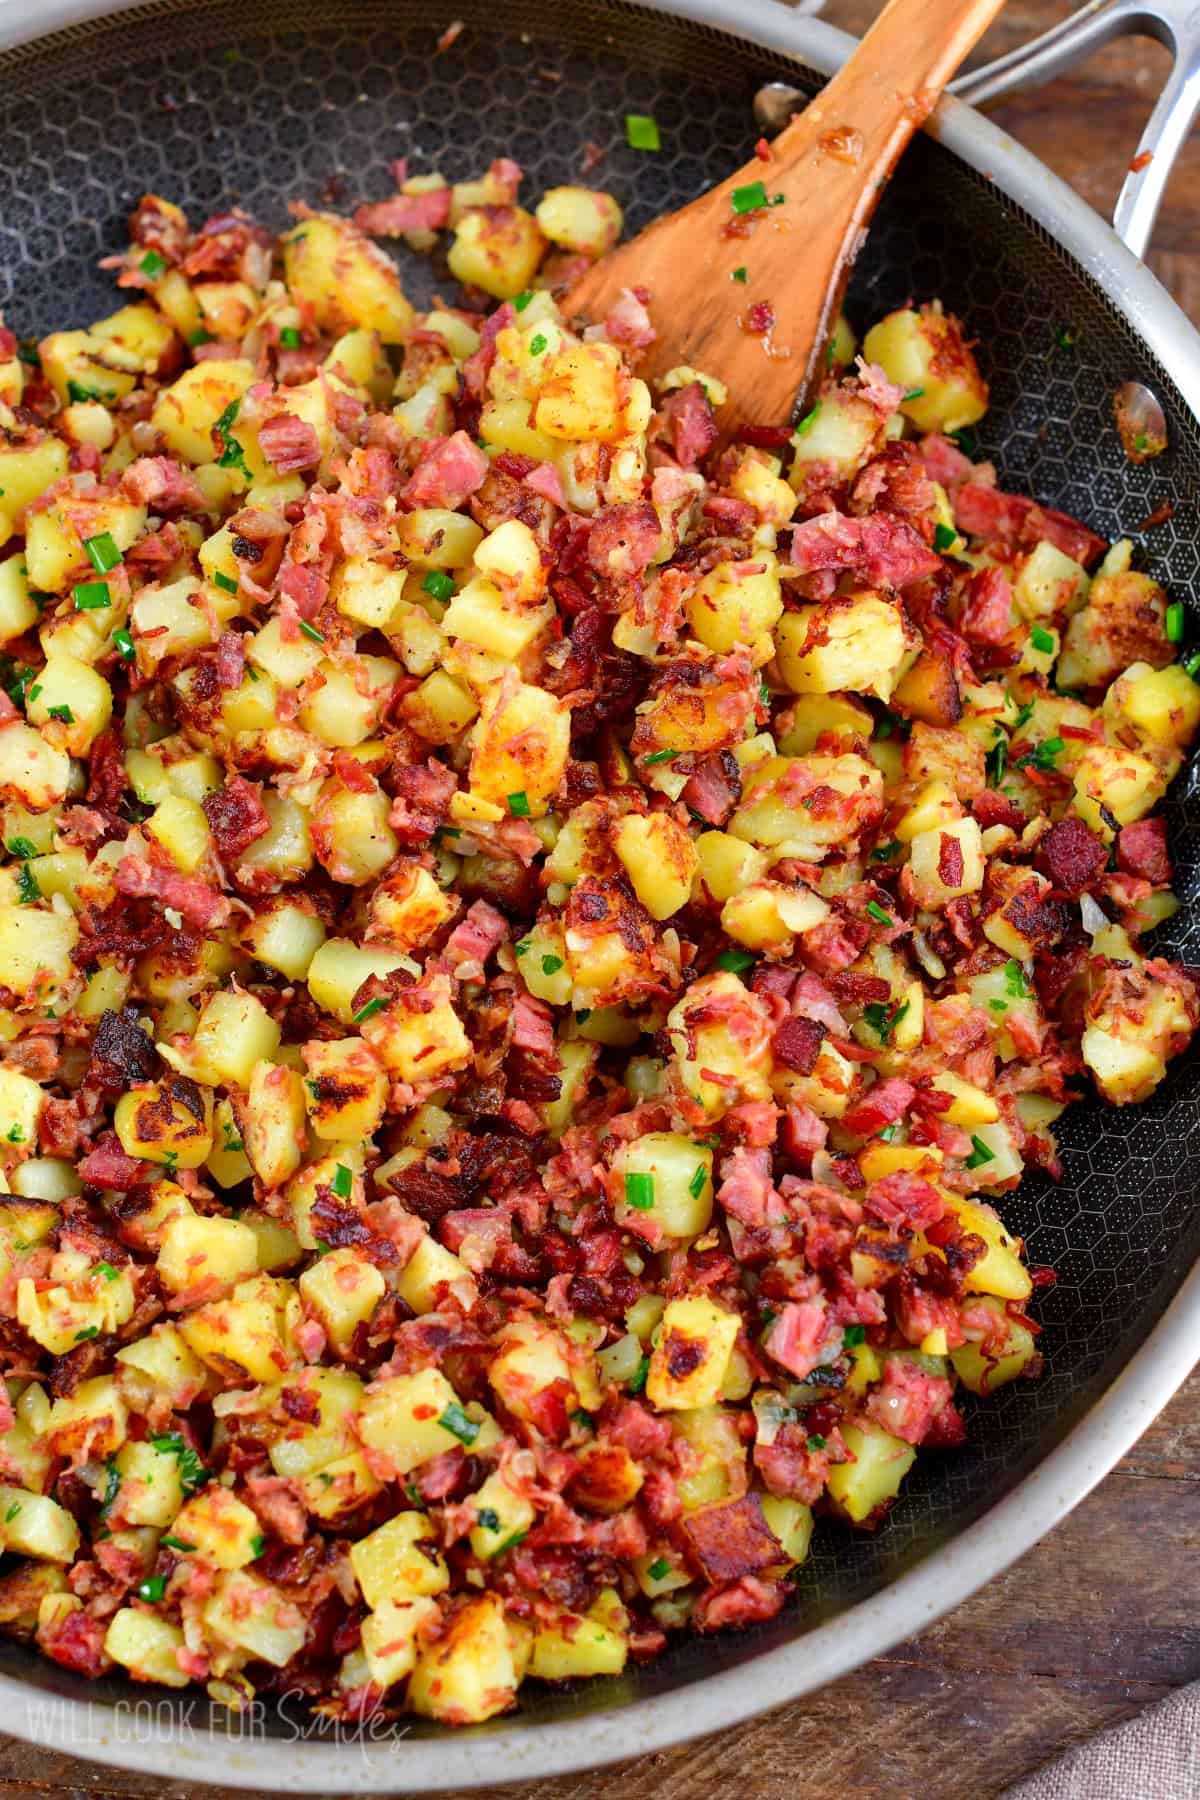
885	92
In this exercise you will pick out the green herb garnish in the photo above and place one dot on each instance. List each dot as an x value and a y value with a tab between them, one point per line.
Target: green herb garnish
343	1181
438	584
749	198
641	132
639	1192
458	1424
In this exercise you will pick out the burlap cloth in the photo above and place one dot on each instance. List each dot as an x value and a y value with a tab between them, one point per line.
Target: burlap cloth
1155	1756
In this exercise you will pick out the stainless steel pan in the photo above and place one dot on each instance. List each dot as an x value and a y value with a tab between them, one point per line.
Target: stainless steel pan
269	100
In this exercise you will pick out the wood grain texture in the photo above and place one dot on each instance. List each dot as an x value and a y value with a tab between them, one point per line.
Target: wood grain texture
1103	1617
827	170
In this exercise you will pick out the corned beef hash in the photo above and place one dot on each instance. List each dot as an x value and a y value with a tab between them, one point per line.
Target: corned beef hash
533	944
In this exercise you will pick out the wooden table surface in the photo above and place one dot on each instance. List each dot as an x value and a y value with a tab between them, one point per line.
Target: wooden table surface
1103	1617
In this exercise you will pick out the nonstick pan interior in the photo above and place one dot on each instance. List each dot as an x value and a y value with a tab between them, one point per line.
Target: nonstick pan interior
261	103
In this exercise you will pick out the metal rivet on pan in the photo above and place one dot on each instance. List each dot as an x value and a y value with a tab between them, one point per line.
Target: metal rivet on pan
774	104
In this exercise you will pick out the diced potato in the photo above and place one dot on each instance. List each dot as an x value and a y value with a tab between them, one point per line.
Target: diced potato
33	772
71	703
925	353
496	248
810	804
502	1515
857	642
25	474
578	1645
697	1339
430	1270
580	219
18	611
35	1525
241	1337
285	936
273	1121
1050	585
721	1026
407	1419
345	1088
969	1105
198	1251
737	603
1000	1270
391	1635
90	1423
580	394
767	914
147	1646
833	442
166	1122
339	968
521	746
351	834
860	1489
726	864
469	1674
947	863
418	1035
254	1616
186	412
1123	622
791	1522
666	1179
1001	1357
399	1560
535	1358
21	1103
343	1290
347	281
656	851
219	1527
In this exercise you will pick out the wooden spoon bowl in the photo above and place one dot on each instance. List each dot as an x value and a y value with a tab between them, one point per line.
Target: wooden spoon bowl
746	282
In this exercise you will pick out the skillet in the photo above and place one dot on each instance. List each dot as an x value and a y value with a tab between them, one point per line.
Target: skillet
266	101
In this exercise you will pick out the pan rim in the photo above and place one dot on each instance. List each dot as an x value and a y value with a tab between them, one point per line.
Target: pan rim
522	1752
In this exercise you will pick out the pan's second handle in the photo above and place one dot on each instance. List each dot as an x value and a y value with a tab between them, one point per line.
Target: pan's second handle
1175	23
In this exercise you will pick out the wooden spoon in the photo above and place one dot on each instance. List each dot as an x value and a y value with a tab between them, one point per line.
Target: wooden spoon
764	331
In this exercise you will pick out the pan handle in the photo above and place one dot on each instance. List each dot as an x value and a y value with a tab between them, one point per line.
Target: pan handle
1176	24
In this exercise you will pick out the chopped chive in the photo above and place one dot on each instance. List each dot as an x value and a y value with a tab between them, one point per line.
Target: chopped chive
22	847
258	1543
225	581
522	300
1174	622
343	1181
815	1442
102	552
537	343
980	1154
749	198
882	1019
807	422
641	132
310	631
518	805
152	1589
289	337
912	394
1042	640
1192	665
853	1336
176	1543
522	948
27	886
192	1472
198	337
639	1192
458	1424
996	760
91	596
438	584
740	274
487	1519
659	756
944	538
153	265
888	1134
658	1568
106	1269
1015	983
1042	757
77	393
62	713
124	644
88	1332
370	1009
735	961
1064	337
551	965
882	852
697	1183
12	1512
878	914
